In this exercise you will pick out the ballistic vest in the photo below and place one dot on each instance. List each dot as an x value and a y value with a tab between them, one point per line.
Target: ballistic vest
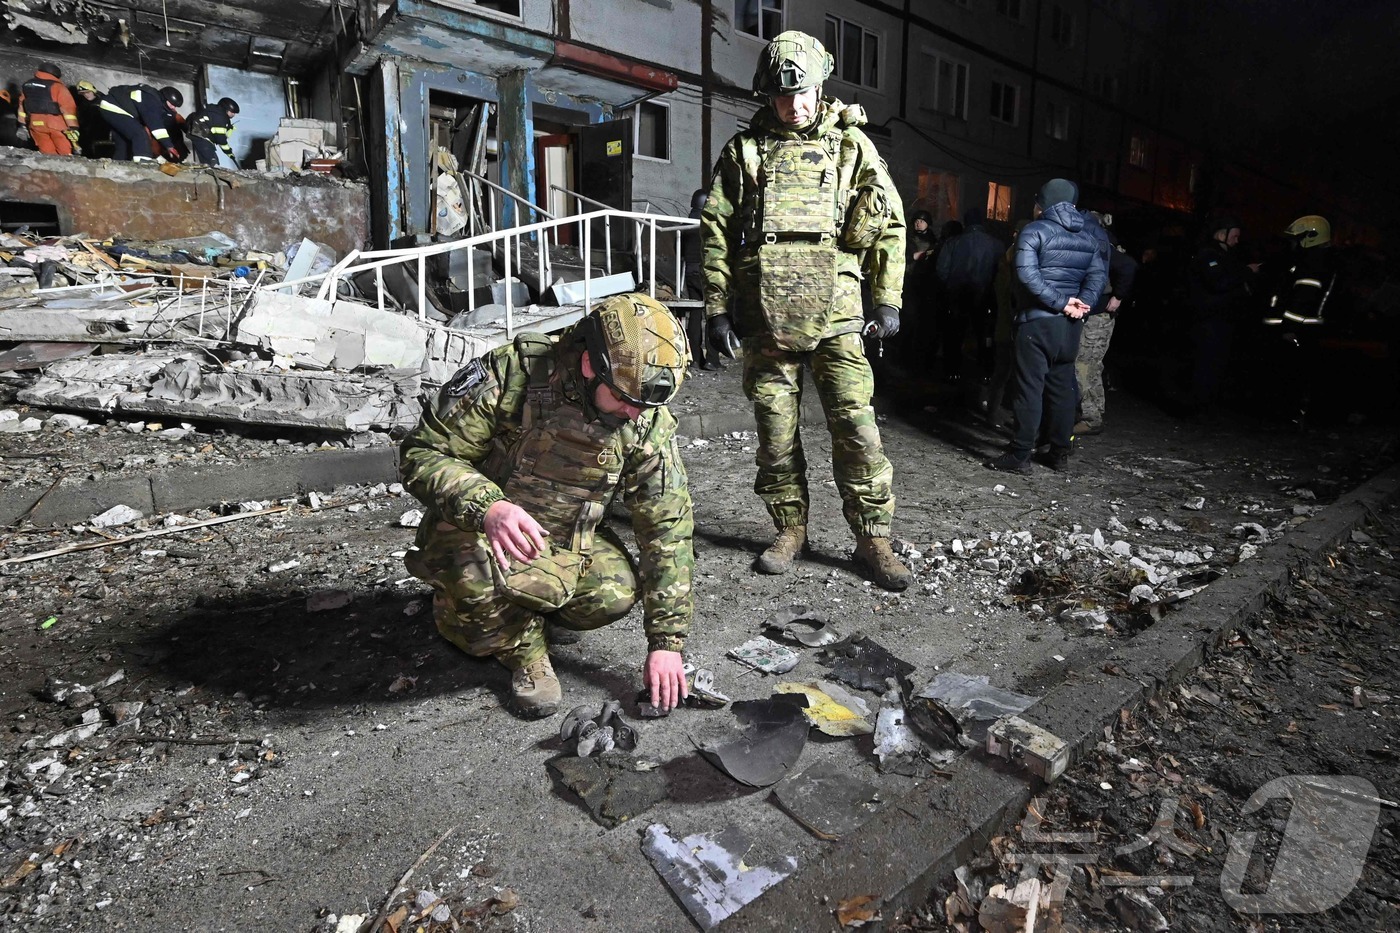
559	465
38	97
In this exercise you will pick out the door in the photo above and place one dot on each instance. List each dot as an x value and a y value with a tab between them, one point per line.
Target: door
605	172
554	166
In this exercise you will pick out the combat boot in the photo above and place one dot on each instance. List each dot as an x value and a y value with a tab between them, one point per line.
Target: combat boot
876	555
534	690
790	542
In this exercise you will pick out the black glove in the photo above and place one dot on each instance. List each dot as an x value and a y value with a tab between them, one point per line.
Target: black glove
722	337
884	322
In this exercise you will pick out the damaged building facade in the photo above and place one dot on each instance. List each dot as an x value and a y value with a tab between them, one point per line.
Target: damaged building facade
485	166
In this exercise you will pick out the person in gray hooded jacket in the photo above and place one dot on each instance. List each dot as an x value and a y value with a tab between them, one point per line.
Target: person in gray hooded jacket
1059	273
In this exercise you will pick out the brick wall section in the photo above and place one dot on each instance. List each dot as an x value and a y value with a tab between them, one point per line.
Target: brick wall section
137	201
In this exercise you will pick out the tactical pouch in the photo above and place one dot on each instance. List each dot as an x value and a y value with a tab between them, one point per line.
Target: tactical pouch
545	583
867	218
797	284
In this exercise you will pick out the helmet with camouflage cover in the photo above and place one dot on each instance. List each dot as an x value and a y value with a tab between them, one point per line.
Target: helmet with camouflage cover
791	63
637	348
1310	231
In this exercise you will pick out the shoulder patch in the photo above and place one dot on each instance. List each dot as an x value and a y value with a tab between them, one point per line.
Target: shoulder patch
467	378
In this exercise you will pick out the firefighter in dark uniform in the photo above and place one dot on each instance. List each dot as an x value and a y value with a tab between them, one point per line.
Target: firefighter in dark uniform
1302	296
48	111
212	128
132	110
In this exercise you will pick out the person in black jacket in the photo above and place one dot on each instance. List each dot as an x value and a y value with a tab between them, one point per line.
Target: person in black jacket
211	130
133	110
1218	288
967	264
1059	273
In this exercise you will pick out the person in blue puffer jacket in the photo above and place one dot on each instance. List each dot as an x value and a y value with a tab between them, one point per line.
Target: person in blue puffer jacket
1059	272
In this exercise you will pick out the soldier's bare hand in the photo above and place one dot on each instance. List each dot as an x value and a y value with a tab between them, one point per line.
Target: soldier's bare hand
665	677
513	533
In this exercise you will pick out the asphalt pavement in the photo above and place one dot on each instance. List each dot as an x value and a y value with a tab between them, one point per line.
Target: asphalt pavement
352	805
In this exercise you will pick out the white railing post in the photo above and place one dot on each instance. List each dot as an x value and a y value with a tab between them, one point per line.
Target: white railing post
422	286
510	304
587	267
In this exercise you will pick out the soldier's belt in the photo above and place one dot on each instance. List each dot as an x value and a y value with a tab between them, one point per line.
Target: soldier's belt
823	238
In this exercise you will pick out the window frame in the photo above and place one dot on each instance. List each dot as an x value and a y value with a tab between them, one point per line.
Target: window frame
937	56
1004	85
995	201
637	131
1018	17
762	4
1060	17
1056	110
836	50
474	6
1137	151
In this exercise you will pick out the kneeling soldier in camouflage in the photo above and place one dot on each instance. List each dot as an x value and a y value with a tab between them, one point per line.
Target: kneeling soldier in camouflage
516	463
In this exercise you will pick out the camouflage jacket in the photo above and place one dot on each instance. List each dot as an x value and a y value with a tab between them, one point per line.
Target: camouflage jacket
729	261
481	410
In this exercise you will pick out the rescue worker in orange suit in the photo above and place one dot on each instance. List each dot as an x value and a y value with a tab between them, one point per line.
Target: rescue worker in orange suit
211	129
48	111
133	110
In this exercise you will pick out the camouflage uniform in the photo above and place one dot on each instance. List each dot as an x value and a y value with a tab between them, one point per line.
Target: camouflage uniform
1088	366
519	422
794	261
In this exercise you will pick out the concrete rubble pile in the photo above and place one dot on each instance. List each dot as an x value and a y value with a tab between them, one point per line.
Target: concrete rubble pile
205	328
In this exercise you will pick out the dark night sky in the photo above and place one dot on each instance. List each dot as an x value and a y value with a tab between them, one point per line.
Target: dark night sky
1320	77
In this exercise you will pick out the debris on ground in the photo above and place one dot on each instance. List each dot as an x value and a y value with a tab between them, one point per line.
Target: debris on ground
766	746
614	788
710	874
828	799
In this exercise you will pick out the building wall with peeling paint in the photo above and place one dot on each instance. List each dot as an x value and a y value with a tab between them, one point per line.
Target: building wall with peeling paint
102	199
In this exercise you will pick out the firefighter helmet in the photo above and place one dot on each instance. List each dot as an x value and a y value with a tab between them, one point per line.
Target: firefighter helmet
86	87
172	96
637	348
791	63
229	104
1309	231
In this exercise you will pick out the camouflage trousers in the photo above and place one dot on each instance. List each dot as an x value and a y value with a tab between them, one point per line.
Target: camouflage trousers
475	617
1088	366
841	374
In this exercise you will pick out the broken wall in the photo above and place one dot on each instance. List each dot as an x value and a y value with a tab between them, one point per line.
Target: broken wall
138	201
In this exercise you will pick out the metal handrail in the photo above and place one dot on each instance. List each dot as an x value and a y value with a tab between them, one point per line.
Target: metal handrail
509	239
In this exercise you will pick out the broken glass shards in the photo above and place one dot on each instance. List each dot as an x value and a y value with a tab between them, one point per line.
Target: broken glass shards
764	751
708	874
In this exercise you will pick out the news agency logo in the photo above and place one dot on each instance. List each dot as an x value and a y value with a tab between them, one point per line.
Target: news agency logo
1319	859
1325	842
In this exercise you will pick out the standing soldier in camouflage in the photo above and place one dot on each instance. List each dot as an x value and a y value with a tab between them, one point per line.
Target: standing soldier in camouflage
516	463
801	208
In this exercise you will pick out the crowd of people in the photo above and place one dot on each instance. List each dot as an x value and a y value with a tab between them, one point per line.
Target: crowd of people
1198	314
128	122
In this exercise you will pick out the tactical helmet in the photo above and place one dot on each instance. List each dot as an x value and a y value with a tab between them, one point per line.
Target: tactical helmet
229	104
51	69
792	62
172	96
637	348
1310	231
86	87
